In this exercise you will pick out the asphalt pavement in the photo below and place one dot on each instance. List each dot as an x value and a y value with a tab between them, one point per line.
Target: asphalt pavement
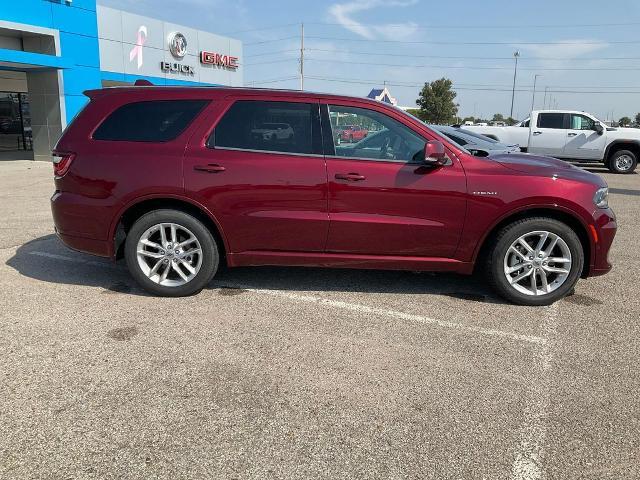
308	373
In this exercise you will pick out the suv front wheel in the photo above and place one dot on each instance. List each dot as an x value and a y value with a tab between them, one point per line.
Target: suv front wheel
171	253
535	261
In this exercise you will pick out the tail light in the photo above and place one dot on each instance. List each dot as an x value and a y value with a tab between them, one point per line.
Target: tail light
62	162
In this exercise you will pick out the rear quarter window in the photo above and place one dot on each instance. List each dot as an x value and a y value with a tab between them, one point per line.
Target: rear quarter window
149	121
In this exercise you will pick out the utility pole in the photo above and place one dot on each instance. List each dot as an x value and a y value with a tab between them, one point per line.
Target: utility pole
516	54
302	56
533	100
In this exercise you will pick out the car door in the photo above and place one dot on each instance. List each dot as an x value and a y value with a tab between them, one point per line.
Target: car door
583	141
268	192
549	135
383	201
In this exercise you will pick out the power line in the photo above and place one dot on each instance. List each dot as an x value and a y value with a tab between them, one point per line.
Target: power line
270	80
284	60
476	26
514	43
455	87
471	67
452	57
267	54
273	27
262	42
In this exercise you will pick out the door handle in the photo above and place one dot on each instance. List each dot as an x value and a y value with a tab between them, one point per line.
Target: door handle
210	168
350	177
537	133
571	134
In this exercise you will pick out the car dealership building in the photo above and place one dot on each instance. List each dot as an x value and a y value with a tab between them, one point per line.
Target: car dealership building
53	50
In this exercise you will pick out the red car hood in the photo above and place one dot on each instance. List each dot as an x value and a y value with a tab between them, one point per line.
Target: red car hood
539	165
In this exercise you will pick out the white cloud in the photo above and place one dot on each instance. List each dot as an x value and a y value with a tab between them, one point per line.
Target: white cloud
343	13
565	48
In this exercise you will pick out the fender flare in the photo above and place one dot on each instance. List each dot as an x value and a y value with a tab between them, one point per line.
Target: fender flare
113	228
619	141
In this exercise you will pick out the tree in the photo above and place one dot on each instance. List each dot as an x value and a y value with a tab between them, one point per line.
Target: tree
624	122
413	111
436	102
468	119
497	117
638	118
510	121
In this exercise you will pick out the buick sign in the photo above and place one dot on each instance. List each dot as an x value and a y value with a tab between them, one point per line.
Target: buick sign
177	44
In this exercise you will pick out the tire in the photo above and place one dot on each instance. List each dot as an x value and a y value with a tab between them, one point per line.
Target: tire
203	265
500	256
622	161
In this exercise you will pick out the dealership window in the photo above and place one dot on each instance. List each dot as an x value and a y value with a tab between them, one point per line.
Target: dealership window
551	120
368	134
149	121
285	127
582	122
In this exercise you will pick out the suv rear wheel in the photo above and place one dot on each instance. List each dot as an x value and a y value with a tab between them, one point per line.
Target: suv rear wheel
170	253
622	161
535	261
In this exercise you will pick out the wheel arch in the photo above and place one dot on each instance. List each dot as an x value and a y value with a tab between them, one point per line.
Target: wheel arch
573	221
622	144
127	217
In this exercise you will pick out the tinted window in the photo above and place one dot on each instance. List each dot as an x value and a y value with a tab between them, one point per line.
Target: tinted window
392	140
581	122
551	120
152	121
269	126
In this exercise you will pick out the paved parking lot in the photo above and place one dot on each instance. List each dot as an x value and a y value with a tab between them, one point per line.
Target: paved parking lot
305	373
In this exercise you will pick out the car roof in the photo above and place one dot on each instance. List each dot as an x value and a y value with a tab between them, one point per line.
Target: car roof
223	91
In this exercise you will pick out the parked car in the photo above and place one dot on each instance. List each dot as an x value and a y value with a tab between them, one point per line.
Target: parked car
273	131
574	136
476	144
172	179
351	133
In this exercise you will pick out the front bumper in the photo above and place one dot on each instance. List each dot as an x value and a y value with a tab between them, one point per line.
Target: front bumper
605	227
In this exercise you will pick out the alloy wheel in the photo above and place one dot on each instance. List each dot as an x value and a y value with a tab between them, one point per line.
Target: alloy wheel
169	254
537	263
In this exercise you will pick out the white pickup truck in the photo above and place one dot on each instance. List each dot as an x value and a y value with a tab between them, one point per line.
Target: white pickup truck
573	135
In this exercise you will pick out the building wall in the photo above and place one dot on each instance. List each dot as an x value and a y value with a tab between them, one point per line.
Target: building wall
120	32
56	93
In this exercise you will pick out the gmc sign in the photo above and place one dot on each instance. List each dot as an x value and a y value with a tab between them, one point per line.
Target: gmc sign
224	61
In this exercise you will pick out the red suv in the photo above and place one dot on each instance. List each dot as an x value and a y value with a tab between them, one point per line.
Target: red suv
176	181
351	133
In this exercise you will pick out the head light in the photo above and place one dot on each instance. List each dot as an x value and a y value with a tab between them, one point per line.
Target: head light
601	198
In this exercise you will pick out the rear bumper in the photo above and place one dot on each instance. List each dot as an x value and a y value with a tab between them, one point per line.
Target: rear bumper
81	224
91	246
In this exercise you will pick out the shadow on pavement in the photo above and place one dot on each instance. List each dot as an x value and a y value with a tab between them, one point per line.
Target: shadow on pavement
47	260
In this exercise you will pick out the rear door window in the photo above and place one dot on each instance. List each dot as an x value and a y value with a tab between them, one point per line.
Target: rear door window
149	121
279	127
551	120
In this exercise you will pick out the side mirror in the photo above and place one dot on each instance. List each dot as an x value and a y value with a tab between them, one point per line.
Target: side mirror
434	153
599	129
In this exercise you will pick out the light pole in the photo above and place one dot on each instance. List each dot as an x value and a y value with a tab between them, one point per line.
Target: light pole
516	54
533	100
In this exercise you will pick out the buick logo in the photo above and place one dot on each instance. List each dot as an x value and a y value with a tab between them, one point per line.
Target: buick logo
177	45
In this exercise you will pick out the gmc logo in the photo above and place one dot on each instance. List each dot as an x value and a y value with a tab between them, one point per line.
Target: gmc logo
225	61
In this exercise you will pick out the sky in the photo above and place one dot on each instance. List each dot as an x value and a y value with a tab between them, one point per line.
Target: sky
586	53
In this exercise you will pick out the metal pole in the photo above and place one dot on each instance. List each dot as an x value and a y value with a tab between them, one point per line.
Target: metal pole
302	56
516	54
533	100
